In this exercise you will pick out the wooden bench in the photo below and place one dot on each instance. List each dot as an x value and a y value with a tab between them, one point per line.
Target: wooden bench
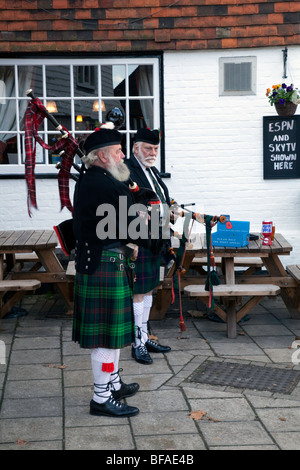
256	292
70	271
27	257
294	271
250	263
17	286
20	259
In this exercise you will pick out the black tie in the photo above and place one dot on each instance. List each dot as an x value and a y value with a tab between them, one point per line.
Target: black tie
157	187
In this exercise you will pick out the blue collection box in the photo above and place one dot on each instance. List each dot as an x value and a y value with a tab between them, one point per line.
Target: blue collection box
233	233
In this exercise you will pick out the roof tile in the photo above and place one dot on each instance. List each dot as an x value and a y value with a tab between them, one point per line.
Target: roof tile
136	25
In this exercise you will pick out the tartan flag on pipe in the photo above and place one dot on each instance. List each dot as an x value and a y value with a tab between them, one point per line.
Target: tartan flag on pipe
34	116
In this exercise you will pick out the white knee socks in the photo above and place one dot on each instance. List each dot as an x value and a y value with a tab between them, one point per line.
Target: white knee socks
146	314
138	308
104	363
115	378
141	316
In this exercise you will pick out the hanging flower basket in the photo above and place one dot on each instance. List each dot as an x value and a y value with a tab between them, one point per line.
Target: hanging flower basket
287	109
284	98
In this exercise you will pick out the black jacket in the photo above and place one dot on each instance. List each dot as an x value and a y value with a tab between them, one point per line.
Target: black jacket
139	177
95	188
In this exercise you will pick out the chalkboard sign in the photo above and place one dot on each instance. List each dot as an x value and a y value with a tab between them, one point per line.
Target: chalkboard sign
281	147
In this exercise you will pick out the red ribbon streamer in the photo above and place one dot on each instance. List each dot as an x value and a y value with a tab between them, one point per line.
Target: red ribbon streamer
34	116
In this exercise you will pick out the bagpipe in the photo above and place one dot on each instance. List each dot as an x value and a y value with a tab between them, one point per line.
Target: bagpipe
209	221
141	195
144	196
66	147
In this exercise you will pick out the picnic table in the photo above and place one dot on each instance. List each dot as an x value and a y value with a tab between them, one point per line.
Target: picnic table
38	247
274	280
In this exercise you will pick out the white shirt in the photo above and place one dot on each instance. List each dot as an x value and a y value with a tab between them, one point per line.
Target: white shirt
144	168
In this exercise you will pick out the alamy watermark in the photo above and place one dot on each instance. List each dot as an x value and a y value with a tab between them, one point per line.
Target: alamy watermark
133	222
2	352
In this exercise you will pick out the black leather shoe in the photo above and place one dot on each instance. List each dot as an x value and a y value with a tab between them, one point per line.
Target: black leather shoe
140	354
126	390
112	408
156	348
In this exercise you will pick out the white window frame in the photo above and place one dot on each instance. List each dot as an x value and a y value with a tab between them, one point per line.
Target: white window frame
48	168
237	60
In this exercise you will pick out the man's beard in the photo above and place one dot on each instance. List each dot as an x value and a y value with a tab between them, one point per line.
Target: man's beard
118	170
147	162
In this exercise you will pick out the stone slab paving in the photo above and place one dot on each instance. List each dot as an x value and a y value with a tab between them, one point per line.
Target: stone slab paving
46	385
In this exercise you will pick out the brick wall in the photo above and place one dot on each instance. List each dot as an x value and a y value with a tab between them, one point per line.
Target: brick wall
134	25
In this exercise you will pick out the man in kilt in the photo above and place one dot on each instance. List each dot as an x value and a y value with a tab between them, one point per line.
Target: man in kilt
103	313
147	270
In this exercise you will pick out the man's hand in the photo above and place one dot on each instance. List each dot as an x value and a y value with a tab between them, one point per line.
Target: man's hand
135	249
135	253
214	221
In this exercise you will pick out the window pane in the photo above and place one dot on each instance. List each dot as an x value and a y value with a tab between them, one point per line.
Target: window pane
115	111
8	122
53	157
30	77
7	82
40	156
85	118
113	80
7	117
86	80
23	104
119	72
141	80
63	114
8	151
98	110
58	80
141	114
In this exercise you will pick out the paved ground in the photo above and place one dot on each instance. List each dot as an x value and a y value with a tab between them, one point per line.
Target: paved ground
46	385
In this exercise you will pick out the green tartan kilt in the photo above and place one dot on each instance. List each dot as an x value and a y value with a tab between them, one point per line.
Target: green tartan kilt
147	267
103	310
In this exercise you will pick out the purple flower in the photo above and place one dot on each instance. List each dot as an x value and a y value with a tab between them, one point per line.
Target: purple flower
282	101
289	88
283	85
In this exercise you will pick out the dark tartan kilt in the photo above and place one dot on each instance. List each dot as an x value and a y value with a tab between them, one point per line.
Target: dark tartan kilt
103	311
147	267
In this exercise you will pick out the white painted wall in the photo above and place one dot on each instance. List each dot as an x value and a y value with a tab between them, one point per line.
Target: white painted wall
214	144
214	149
13	208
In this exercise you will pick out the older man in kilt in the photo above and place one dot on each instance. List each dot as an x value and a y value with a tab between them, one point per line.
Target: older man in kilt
142	170
103	312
